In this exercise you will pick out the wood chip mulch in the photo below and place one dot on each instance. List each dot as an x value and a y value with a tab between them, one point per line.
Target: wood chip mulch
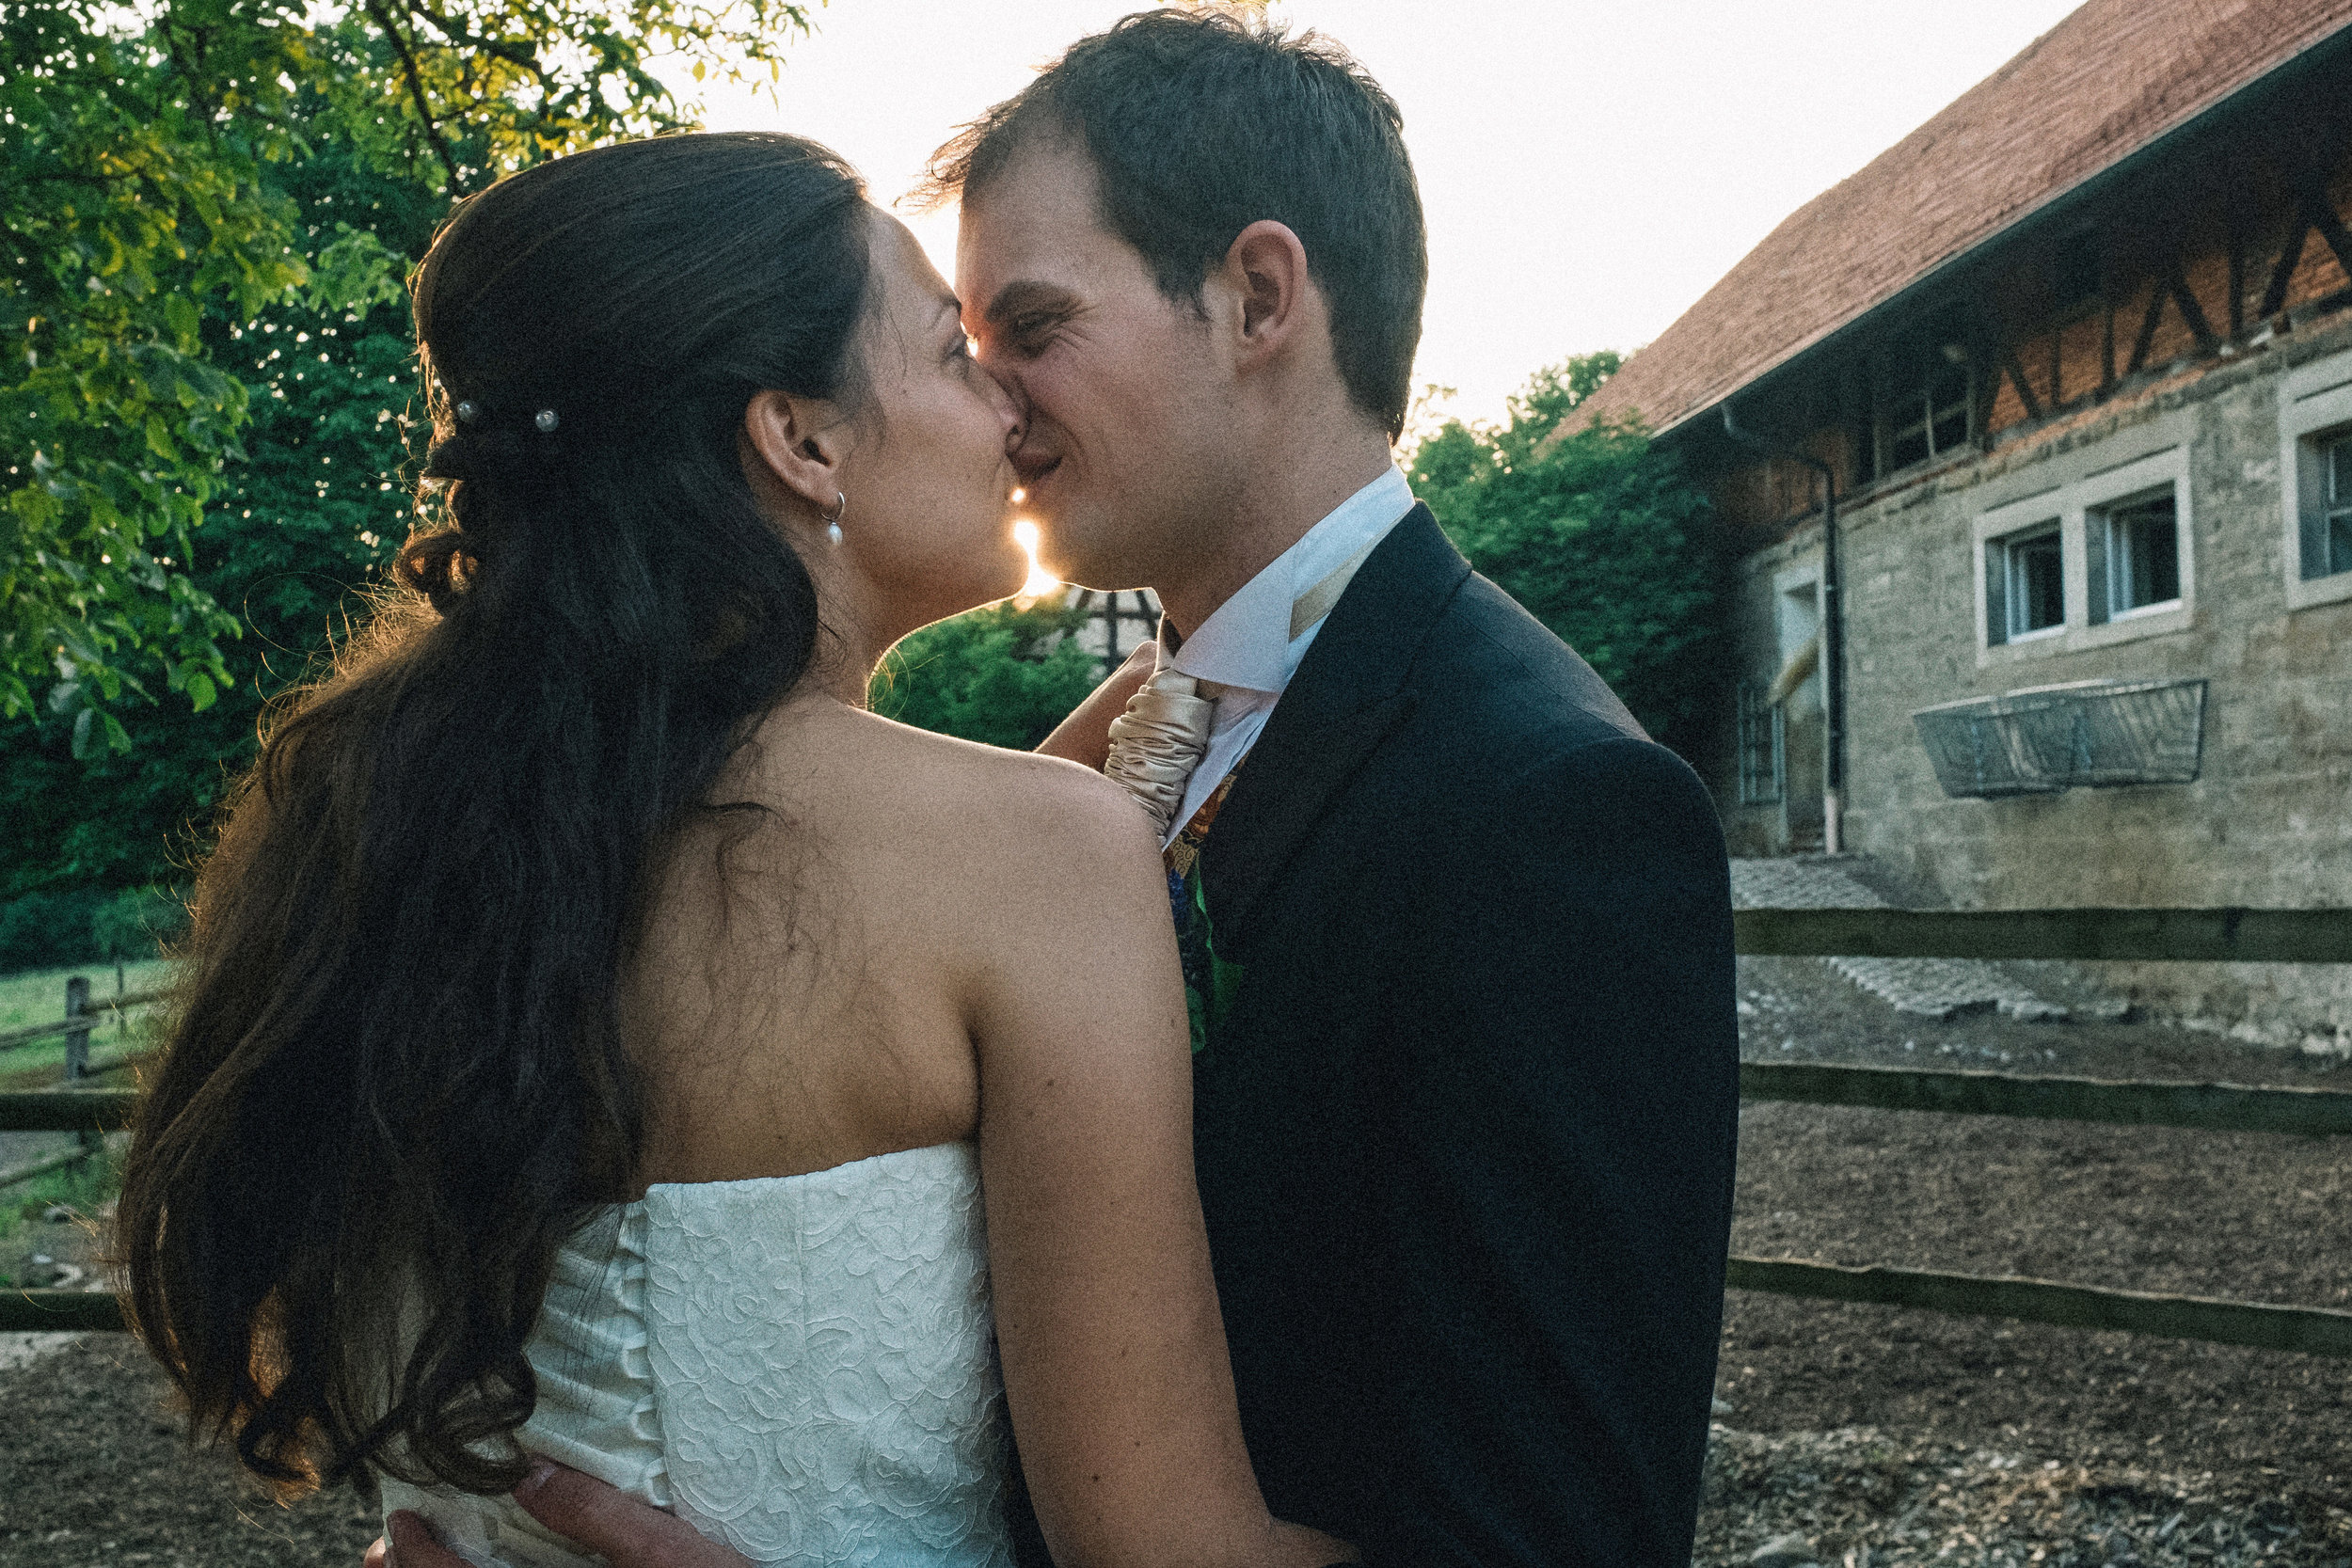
1857	1497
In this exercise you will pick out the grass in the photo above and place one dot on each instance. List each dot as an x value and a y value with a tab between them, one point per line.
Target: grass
82	1188
38	996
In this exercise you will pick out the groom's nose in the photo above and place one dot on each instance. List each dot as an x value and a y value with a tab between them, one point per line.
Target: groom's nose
1012	404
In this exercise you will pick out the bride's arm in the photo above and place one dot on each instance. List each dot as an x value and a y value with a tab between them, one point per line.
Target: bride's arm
1084	736
1106	1314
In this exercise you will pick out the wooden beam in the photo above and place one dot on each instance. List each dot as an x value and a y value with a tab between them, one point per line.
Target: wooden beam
2016	373
68	1111
2237	269
2147	329
2209	1107
2206	936
42	1167
2283	270
59	1311
24	1034
2308	1330
2106	341
2184	300
2318	214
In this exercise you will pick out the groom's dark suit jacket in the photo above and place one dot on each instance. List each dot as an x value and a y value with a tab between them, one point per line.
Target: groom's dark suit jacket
1465	1136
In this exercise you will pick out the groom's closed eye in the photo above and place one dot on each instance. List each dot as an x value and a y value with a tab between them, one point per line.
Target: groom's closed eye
1025	315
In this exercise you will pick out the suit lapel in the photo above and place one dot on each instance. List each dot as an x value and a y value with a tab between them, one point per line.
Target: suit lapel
1348	694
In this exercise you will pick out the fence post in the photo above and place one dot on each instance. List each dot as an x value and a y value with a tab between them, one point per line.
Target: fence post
78	1048
77	1042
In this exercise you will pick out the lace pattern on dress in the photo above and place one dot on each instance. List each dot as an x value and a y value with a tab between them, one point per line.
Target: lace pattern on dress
803	1367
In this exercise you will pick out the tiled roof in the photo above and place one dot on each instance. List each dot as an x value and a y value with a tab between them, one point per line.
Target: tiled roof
2109	79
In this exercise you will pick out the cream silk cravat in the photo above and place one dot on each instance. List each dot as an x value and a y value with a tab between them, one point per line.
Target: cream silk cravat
1160	739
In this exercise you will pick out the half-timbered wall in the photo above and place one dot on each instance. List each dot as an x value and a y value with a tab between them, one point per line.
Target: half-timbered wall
2186	336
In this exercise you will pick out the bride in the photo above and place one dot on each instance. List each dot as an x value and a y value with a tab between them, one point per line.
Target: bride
603	1038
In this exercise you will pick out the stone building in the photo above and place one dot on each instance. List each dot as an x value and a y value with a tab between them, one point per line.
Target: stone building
2076	357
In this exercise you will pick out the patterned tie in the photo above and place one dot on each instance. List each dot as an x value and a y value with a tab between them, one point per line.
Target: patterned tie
1155	746
1210	981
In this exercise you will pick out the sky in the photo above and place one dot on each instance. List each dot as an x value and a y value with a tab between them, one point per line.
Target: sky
1588	170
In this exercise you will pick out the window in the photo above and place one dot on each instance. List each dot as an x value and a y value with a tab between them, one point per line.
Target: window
2336	465
2025	584
2315	467
2135	545
1932	420
1763	758
2101	551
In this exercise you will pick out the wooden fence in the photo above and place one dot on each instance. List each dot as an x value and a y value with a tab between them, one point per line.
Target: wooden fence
2216	935
2224	935
82	1019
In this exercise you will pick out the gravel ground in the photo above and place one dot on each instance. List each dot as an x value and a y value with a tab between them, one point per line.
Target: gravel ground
1848	1435
1882	1435
94	1475
1859	1499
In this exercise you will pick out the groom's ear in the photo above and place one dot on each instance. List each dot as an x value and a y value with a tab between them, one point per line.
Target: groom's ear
1266	269
798	443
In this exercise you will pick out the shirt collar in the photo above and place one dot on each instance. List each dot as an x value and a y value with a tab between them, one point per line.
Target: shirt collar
1246	641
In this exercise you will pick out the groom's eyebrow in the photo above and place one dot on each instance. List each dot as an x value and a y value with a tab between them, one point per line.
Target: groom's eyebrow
1025	295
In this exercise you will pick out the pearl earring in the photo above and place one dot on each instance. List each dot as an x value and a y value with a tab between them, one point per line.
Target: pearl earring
832	518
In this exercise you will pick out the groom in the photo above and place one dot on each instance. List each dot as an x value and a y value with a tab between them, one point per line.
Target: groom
1459	934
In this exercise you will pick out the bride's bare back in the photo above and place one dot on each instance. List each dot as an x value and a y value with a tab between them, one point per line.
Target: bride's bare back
818	977
921	941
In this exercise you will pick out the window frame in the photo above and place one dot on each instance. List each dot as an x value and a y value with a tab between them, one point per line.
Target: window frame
2335	463
2078	490
2105	580
1912	404
2013	580
1767	785
2314	412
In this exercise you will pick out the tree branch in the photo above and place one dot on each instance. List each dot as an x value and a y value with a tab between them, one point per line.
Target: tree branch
462	38
416	91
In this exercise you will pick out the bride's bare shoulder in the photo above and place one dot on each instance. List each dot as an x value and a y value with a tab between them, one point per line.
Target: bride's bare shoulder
937	795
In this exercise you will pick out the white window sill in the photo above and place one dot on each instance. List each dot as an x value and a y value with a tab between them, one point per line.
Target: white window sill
2155	619
2304	594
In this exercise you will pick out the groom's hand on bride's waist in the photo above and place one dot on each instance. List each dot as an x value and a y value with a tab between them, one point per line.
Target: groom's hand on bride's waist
627	1533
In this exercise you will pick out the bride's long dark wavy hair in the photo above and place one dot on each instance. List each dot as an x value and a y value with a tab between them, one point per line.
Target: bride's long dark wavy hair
395	1083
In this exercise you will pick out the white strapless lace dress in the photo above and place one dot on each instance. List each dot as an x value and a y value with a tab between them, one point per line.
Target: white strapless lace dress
803	1367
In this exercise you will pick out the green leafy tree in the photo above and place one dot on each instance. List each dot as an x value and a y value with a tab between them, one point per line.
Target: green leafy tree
209	220
147	173
292	538
1003	675
1598	534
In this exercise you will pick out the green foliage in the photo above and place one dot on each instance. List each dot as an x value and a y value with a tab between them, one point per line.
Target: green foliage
1601	537
85	1188
209	222
147	197
1001	673
291	540
85	924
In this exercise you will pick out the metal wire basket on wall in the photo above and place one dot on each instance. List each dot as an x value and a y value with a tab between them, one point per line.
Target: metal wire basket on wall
2082	734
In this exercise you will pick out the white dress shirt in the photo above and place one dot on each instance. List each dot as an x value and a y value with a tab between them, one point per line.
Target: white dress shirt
1244	653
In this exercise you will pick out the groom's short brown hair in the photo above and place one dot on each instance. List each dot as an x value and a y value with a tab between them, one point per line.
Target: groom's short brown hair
1199	124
